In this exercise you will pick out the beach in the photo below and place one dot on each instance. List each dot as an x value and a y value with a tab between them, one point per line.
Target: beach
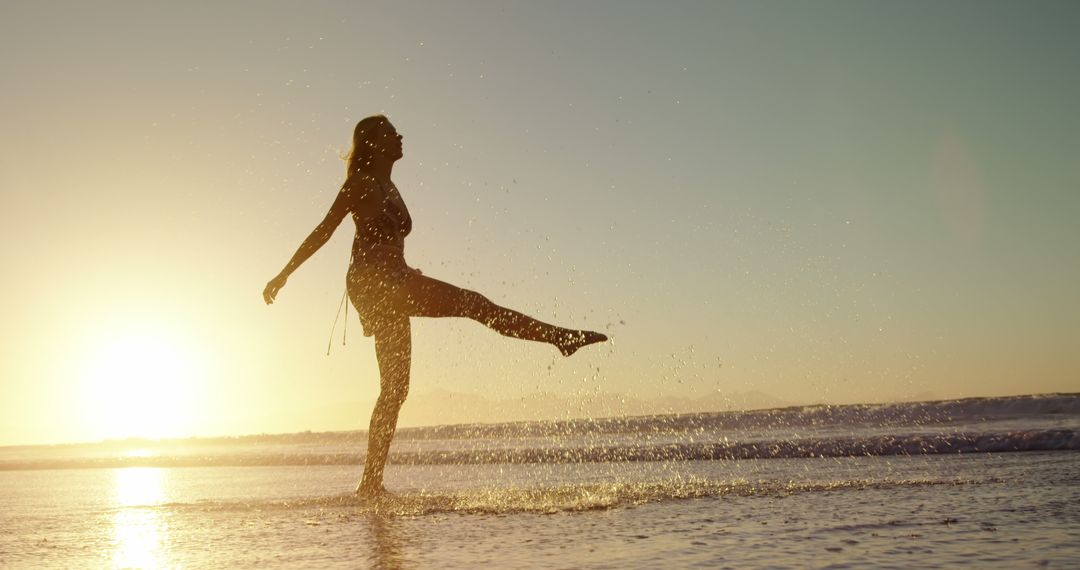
974	509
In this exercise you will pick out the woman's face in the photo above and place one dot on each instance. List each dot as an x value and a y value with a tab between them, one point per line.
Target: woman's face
387	141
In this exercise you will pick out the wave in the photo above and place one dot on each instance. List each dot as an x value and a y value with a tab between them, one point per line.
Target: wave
930	413
910	414
940	412
879	445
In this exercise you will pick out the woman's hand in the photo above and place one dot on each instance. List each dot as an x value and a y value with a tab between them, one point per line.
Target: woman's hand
273	287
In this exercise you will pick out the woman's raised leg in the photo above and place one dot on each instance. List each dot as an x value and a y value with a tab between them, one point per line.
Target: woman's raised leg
393	350
427	297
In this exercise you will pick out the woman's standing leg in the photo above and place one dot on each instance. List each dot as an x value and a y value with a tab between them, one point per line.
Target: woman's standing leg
393	350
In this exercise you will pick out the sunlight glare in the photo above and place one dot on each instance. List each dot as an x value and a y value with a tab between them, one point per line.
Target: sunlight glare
138	529
141	385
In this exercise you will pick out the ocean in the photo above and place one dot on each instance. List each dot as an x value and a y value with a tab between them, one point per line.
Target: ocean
979	482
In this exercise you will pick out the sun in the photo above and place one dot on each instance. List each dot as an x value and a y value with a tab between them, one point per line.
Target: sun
141	384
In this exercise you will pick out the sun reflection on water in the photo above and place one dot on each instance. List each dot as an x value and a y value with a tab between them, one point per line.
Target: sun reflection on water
139	532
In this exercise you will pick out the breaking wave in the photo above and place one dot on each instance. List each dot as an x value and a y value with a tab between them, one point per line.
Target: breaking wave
883	445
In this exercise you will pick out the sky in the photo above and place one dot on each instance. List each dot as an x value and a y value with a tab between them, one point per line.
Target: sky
807	202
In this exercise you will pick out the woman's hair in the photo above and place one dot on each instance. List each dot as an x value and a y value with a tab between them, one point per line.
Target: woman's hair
360	155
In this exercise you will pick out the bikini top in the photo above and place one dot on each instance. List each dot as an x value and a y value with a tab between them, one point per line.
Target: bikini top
387	228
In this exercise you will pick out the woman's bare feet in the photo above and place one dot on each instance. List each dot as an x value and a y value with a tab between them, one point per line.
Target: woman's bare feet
371	491
571	342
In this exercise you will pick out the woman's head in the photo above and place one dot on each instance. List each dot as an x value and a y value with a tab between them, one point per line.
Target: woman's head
374	138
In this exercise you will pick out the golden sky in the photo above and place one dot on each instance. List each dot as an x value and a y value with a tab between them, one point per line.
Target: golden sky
747	196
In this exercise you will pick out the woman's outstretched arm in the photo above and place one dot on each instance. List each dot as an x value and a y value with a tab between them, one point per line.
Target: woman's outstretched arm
318	237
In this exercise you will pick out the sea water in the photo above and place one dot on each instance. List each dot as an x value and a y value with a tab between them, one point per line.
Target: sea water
979	483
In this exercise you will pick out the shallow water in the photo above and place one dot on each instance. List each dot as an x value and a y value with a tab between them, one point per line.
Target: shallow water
979	510
982	482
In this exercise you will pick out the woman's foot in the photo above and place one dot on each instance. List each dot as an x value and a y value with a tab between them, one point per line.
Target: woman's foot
571	342
373	491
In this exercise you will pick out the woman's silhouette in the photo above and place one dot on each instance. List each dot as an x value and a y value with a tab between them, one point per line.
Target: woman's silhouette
386	291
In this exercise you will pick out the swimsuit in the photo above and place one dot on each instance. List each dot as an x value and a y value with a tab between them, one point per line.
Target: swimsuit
378	267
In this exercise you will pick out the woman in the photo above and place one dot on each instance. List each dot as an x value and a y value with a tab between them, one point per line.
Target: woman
386	291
